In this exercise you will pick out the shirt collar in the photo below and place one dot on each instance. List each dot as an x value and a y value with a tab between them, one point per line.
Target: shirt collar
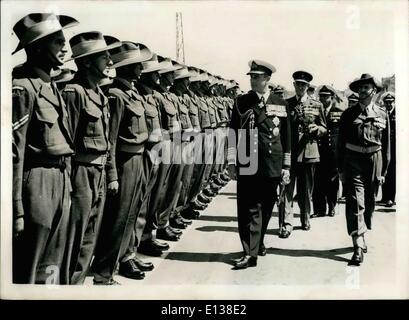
265	95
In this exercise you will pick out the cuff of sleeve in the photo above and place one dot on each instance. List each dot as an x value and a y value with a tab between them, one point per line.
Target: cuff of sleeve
18	210
287	160
231	155
112	175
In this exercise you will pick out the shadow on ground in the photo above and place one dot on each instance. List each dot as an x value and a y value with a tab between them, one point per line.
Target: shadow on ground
228	258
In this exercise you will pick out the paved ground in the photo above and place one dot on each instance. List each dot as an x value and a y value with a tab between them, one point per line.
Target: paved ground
315	258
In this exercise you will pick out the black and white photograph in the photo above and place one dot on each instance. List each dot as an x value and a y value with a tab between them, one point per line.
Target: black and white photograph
204	150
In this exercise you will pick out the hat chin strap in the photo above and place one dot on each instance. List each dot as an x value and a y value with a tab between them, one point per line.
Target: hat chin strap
367	96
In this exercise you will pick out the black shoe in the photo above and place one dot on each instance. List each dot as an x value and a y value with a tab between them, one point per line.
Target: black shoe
185	221
176	231
219	182
357	257
314	215
143	266
149	248
331	213
225	177
129	269
245	262
166	234
110	282
284	234
306	226
389	204
160	245
209	193
189	213
197	205
203	199
262	251
177	223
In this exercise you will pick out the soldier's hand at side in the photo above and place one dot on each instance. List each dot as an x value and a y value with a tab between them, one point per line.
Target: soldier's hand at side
342	177
232	171
381	180
18	227
113	187
312	128
285	177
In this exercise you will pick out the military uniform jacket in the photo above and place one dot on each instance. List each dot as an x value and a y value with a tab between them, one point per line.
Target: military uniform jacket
204	113
169	113
368	129
152	113
40	126
183	109
304	146
222	111
213	114
328	143
273	134
89	117
128	128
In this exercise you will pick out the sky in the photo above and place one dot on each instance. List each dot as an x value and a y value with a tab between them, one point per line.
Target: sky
336	41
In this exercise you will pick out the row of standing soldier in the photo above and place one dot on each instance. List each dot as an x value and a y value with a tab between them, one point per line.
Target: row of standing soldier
90	178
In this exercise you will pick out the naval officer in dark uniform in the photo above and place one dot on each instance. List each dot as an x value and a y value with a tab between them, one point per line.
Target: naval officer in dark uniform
363	157
326	181
266	138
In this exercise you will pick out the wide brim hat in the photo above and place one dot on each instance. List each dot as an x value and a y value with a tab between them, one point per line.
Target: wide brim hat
182	73
168	65
36	26
130	53
353	97
151	65
388	96
365	78
89	43
302	76
194	74
64	75
261	67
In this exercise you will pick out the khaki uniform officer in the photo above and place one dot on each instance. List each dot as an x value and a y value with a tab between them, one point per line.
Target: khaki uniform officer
307	124
326	180
263	116
42	147
126	170
364	155
89	119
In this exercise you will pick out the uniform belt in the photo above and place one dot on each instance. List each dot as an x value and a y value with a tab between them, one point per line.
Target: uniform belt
360	149
48	161
132	148
97	159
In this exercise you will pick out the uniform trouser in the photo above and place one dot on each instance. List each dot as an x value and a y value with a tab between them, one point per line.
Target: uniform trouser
302	175
326	184
389	187
220	149
361	172
209	148
120	214
255	200
203	153
38	254
88	199
162	160
187	176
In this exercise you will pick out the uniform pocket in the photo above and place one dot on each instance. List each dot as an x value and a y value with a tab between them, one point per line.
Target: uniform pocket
46	112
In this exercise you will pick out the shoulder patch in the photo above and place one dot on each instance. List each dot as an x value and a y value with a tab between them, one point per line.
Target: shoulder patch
18	88
69	90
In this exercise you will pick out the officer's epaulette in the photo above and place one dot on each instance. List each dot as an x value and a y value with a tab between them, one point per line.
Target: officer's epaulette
69	90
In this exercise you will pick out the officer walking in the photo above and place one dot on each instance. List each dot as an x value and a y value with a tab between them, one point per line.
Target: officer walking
267	137
89	119
42	147
364	155
307	125
326	181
